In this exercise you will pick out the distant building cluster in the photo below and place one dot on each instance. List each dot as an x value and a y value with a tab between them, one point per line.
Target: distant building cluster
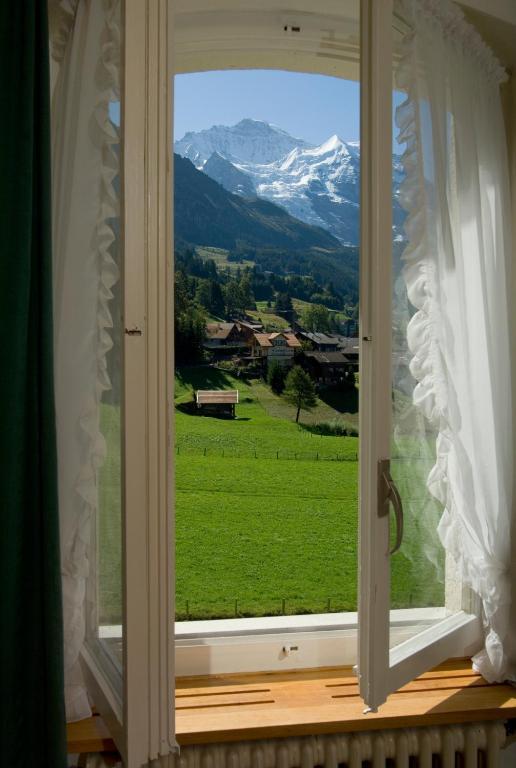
329	358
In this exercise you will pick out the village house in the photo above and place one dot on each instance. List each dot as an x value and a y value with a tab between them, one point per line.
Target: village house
322	342
225	338
349	346
280	347
328	368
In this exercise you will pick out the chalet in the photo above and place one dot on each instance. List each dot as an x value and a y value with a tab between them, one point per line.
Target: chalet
226	339
349	346
222	335
321	342
276	346
247	330
327	367
217	402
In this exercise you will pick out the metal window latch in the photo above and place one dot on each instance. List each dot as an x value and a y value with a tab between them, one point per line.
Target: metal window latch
135	331
388	495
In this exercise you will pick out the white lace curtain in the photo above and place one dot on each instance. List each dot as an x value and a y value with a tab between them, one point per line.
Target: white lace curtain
85	50
456	194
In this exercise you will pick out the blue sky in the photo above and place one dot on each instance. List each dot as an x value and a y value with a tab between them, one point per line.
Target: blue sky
311	107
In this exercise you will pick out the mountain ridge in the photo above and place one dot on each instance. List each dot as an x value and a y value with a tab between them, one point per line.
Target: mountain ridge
318	184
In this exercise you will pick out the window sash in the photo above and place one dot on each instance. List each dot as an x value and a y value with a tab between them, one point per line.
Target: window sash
382	671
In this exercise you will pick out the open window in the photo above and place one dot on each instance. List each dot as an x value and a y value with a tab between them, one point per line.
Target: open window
131	648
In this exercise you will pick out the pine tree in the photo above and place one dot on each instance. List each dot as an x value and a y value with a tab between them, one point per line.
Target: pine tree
276	374
299	390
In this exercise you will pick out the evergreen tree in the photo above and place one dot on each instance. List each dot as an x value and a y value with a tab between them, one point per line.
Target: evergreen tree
189	322
317	319
276	374
246	292
283	303
299	390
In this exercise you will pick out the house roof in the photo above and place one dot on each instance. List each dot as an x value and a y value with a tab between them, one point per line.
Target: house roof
253	326
263	339
266	339
319	338
216	396
328	358
219	330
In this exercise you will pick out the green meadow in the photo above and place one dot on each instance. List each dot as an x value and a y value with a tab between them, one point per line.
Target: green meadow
267	510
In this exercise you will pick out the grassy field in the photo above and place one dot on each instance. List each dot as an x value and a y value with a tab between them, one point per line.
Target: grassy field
220	257
267	511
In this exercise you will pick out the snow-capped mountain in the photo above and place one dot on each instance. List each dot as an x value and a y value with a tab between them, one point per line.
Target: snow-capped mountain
249	141
319	185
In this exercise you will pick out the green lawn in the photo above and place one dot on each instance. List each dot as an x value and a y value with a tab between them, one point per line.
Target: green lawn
266	512
220	257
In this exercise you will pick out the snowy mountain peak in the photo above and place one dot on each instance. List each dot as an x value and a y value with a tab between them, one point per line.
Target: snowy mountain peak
249	141
317	184
330	145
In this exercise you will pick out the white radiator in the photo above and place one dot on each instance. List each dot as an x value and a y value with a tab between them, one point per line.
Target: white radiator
478	746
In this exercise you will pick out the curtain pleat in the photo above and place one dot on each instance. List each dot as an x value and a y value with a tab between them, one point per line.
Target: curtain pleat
32	718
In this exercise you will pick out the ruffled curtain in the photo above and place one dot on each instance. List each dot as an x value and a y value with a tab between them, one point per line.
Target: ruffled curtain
456	194
85	46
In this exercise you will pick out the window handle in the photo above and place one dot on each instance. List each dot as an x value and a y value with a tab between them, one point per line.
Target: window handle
388	494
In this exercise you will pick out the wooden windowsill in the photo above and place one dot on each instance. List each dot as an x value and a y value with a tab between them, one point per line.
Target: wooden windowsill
308	702
240	707
90	735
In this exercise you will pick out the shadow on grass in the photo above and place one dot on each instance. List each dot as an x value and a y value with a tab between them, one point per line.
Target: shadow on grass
341	400
205	377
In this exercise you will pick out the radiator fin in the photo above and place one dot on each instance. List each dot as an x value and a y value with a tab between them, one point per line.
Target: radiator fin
478	746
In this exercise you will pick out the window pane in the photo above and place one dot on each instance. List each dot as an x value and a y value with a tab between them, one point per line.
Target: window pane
266	494
418	572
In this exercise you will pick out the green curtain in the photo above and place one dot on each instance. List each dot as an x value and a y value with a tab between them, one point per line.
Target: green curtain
32	718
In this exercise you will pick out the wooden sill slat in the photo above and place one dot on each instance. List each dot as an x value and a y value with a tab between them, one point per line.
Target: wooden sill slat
89	735
311	702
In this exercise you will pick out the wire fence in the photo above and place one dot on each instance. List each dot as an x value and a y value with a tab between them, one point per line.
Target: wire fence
236	608
190	610
254	453
279	453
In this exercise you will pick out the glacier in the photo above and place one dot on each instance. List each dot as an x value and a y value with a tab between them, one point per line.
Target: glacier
320	185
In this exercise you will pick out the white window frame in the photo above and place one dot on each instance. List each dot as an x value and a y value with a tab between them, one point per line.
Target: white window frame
205	41
137	701
139	706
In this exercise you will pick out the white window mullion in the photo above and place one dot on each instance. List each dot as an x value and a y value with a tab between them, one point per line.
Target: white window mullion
148	539
375	343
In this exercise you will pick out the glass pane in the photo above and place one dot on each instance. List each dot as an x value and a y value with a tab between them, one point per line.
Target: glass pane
266	259
418	568
104	618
